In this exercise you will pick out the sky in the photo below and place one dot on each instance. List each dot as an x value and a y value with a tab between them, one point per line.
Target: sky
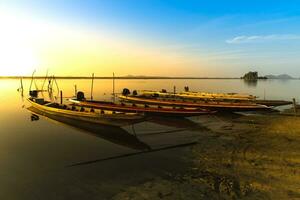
150	37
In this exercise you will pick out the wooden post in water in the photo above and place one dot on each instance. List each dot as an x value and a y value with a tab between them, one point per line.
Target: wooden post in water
61	97
31	80
92	86
22	88
113	87
56	83
21	83
45	80
75	89
174	89
295	105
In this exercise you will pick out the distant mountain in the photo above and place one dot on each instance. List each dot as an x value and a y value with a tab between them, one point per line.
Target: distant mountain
281	76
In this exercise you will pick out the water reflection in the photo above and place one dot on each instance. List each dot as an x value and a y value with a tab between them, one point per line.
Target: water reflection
113	134
250	83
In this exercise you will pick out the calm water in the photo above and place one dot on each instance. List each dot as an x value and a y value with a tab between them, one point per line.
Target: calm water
35	154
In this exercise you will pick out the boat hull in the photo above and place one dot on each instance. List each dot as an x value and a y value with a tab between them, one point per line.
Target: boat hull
198	95
212	105
273	103
92	117
170	111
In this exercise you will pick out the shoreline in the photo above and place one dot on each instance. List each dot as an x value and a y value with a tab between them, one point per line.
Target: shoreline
235	159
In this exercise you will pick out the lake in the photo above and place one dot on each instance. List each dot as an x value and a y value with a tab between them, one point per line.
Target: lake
36	154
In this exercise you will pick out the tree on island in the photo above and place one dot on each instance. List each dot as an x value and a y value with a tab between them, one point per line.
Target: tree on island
252	76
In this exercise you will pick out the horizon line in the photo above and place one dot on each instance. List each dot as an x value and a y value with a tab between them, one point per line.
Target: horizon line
116	77
123	77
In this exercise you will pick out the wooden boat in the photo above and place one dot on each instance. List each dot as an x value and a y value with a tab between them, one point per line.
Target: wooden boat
196	95
166	110
218	97
94	116
224	97
114	134
213	105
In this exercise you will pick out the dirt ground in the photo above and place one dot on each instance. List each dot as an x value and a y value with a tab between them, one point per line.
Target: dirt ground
248	157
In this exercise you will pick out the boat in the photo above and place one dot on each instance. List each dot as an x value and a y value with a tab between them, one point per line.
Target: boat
195	95
104	117
223	97
172	111
206	104
144	108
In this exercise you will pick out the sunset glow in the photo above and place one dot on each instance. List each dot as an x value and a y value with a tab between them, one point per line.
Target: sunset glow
129	38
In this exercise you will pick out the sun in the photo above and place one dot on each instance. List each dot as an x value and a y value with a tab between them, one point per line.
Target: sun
18	55
16	61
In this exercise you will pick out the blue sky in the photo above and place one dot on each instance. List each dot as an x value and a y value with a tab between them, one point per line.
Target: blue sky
214	38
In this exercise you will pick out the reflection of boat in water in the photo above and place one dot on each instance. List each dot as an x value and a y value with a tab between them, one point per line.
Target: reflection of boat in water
94	116
113	134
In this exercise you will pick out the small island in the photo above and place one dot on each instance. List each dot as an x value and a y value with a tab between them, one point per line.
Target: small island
252	76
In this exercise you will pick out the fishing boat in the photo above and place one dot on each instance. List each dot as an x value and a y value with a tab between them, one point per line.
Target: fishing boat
206	104
201	96
234	97
104	117
196	95
175	111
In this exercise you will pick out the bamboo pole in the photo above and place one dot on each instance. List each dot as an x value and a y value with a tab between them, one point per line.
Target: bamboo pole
21	83
31	80
113	87
75	89
61	97
22	88
295	106
132	154
92	87
45	80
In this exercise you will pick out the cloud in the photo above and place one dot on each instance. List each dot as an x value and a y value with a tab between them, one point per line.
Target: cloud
262	38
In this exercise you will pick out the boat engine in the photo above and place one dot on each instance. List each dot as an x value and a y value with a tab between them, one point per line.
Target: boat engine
126	92
80	96
33	93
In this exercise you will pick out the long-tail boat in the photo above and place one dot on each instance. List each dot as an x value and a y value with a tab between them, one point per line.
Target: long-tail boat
104	117
212	105
166	110
198	96
175	111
